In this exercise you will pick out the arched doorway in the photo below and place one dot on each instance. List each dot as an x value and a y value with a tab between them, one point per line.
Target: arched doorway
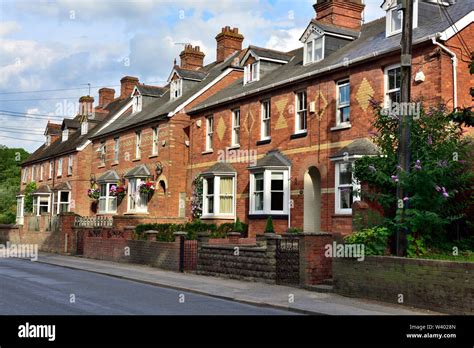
312	200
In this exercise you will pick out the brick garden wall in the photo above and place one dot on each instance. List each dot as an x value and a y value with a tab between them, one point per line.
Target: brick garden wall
443	286
156	254
9	233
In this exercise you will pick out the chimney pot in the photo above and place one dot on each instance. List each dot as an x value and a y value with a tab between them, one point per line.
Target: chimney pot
127	84
229	41
341	13
192	58
106	96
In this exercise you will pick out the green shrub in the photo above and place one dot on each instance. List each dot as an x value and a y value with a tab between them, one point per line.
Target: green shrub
294	230
269	227
238	227
375	240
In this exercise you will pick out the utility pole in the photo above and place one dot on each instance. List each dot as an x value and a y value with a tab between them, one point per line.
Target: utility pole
405	88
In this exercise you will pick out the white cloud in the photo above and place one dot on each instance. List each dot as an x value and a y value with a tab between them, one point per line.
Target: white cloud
285	40
9	27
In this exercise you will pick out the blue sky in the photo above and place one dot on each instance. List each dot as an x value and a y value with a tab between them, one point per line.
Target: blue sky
56	44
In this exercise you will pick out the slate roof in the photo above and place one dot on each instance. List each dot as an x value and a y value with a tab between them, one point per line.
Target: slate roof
273	158
161	107
219	168
362	147
138	171
71	123
271	54
151	91
335	29
42	190
75	139
190	74
110	175
371	43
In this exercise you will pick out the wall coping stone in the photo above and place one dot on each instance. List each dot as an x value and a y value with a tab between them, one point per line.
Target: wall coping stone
179	233
232	247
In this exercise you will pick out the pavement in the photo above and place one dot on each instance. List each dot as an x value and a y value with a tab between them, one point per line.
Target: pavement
32	288
251	293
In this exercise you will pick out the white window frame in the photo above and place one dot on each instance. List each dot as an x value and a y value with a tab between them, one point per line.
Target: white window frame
84	127
388	22
65	135
266	116
103	152
48	140
154	148
252	72
209	132
116	149
355	188
267	177
70	162
59	202
217	195
301	113
176	89
138	145
137	197
37	203
387	91
236	127
60	168
137	104
41	172
33	173
50	170
313	49
107	198
339	106
20	209
25	175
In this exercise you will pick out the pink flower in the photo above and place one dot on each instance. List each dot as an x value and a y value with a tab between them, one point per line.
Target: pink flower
394	178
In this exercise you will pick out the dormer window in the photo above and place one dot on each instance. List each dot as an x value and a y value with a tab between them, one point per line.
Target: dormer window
314	50
176	89
252	72
84	127
394	19
137	103
48	140
65	134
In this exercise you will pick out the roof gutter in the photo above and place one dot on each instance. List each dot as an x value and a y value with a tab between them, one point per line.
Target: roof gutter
454	60
307	75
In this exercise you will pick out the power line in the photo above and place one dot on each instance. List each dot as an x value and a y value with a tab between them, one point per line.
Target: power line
71	89
450	20
34	99
20	132
28	114
30	130
52	118
36	141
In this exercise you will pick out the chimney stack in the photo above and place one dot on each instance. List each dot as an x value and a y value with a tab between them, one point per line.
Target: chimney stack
341	13
127	84
229	41
192	58
86	105
106	96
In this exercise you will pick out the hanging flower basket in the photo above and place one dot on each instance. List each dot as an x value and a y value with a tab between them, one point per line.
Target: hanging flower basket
147	188
93	194
118	191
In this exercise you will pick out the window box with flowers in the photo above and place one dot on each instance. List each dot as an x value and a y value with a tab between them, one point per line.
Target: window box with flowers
93	193
119	191
147	188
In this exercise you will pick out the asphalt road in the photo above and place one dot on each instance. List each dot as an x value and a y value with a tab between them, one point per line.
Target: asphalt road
31	288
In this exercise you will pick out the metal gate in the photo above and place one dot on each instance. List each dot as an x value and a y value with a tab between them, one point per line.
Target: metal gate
288	261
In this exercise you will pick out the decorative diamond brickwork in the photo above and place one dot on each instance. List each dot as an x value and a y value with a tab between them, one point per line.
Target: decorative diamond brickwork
281	122
220	128
322	103
364	94
249	121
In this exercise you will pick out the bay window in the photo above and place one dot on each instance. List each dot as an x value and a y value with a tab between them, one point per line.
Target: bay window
219	196
41	204
107	203
346	188
269	192
137	202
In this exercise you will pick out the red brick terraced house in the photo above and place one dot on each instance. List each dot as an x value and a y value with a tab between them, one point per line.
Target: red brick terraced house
150	144
61	168
280	141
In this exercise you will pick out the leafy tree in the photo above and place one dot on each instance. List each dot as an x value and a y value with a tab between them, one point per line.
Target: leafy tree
437	187
29	189
10	160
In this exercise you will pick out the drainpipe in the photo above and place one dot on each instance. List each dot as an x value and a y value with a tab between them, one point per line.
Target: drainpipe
454	58
289	197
